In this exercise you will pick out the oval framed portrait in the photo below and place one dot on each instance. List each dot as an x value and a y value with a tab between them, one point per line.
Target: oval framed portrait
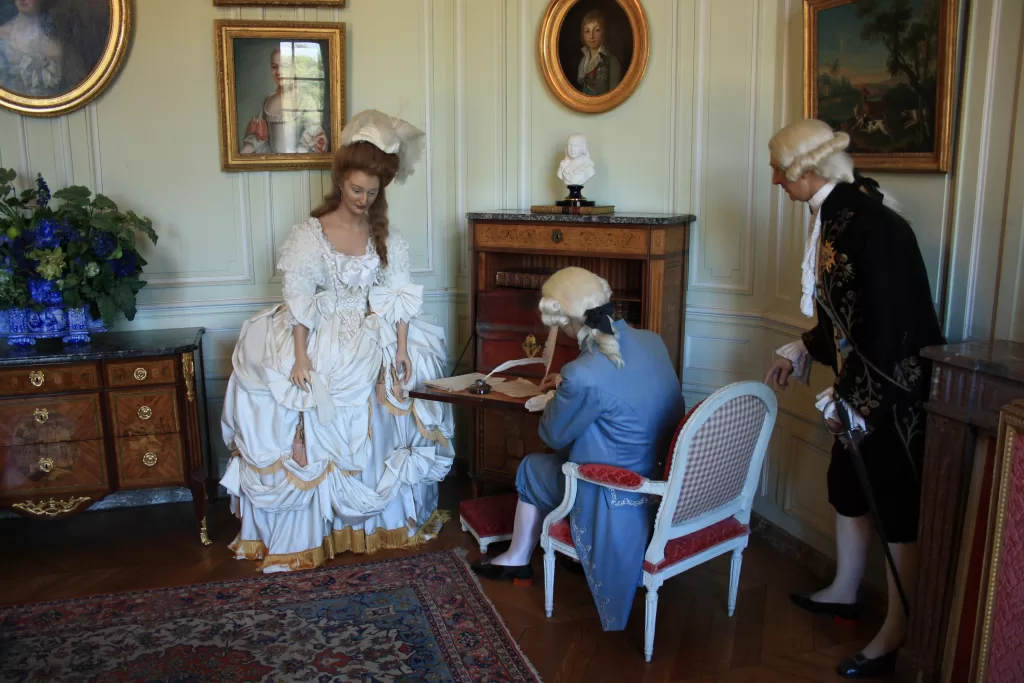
594	53
57	55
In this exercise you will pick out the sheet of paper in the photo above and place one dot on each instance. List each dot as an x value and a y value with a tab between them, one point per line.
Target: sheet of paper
519	388
461	382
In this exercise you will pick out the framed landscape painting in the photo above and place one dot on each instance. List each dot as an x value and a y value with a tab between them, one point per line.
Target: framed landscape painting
883	72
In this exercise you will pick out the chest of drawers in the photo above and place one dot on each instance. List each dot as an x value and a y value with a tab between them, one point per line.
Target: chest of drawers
121	413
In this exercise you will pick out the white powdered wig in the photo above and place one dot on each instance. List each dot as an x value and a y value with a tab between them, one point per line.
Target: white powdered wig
567	296
811	145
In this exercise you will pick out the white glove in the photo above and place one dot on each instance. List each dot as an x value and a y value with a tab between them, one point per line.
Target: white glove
539	402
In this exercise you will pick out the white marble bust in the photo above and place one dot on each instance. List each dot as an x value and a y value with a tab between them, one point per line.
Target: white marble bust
577	167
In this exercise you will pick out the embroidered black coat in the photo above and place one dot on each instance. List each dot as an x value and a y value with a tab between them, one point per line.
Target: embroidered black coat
873	292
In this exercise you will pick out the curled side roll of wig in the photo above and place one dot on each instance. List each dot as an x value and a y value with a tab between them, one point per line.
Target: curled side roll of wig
815	159
567	296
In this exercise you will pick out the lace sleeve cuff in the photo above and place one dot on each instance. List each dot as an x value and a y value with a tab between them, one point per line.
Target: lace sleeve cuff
397	302
303	310
796	353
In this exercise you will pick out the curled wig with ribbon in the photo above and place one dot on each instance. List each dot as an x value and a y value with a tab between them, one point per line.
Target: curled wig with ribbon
811	146
575	295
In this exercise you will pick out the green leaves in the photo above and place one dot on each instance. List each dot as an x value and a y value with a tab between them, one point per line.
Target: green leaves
89	224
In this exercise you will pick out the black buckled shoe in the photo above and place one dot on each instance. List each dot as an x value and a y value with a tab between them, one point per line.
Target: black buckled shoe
520	575
859	666
837	610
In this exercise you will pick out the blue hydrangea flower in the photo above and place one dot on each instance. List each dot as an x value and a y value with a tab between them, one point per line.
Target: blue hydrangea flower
44	292
43	191
70	233
47	234
103	244
126	265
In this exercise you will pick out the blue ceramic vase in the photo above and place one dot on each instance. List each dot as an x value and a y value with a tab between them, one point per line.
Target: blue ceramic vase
23	326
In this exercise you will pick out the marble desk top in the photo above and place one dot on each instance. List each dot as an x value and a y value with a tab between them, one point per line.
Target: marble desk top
105	346
527	216
1001	358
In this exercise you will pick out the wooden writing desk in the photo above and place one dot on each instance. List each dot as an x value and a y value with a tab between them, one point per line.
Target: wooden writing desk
480	467
494	399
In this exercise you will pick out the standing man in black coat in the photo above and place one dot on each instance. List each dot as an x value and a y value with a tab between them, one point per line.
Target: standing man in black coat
864	278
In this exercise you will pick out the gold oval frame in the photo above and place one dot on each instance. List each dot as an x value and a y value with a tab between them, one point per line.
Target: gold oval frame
97	80
565	91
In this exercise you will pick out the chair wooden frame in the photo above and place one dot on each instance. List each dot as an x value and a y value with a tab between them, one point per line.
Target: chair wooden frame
738	508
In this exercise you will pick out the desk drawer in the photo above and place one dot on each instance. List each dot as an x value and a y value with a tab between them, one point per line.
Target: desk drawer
141	372
618	242
52	468
138	412
49	379
149	460
55	419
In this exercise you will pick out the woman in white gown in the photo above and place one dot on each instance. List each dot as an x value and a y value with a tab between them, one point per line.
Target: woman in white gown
329	452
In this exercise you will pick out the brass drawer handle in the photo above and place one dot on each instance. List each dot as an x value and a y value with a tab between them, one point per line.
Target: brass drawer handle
145	412
46	464
41	415
149	459
36	377
556	236
141	374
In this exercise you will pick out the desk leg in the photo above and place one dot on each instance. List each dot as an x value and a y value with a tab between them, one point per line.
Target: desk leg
477	459
197	483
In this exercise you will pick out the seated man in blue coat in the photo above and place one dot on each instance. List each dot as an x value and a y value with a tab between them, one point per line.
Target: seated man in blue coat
617	404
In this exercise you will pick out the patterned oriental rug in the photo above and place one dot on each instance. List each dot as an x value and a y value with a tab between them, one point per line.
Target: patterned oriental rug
421	618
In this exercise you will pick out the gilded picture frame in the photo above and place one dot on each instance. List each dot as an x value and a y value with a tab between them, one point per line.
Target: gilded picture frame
614	40
281	93
83	46
280	3
860	77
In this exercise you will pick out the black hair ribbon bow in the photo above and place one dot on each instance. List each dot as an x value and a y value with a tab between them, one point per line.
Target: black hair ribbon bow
598	318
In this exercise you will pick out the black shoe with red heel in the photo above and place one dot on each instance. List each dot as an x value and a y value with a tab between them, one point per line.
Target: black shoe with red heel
841	612
520	575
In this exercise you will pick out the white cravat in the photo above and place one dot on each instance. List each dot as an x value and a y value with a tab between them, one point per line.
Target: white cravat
809	266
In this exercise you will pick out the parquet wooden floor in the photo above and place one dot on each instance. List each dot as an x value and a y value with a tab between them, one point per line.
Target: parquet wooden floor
767	641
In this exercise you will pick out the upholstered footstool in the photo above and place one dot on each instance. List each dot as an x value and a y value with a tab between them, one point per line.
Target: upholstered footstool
490	519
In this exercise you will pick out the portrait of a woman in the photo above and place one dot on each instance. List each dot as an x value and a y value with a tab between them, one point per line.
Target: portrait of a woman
290	120
47	47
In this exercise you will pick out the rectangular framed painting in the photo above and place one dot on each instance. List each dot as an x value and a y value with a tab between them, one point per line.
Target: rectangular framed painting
883	71
281	94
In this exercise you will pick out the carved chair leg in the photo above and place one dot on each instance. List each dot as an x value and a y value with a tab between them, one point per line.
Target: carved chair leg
549	581
650	620
734	579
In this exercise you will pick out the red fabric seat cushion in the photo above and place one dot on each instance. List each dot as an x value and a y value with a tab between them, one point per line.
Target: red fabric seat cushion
675	438
610	474
560	531
679	549
490	515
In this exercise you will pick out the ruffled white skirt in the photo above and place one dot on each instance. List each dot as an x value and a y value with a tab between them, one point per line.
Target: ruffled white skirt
373	457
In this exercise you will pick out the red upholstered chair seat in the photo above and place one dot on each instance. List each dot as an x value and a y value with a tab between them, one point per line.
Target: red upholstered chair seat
560	531
679	549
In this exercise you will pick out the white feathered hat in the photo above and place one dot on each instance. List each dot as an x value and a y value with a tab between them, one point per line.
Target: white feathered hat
389	134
